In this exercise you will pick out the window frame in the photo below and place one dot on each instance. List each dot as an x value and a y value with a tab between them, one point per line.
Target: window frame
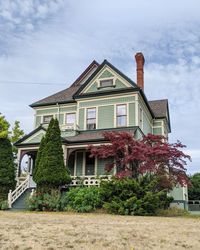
141	118
70	124
87	119
43	119
126	115
106	80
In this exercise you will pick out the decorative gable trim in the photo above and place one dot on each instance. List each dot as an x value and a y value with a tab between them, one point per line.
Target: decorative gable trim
109	65
30	136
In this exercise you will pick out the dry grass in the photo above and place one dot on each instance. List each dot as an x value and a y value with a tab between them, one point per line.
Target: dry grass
24	230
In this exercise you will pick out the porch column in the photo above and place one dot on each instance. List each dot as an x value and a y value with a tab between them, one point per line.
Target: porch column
65	154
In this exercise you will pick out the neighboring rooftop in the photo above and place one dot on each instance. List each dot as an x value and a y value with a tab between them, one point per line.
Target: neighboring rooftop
159	107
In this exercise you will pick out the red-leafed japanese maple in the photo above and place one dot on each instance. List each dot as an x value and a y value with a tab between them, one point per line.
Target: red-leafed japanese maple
152	154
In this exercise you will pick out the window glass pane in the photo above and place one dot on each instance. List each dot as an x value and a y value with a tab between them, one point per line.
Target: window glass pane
91	121
106	83
91	113
71	118
91	126
89	164
121	110
47	118
121	121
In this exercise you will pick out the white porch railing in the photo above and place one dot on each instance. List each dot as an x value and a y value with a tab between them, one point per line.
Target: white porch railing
14	195
91	180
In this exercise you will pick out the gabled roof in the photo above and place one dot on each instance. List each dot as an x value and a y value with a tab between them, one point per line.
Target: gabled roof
29	135
86	73
105	62
157	108
66	95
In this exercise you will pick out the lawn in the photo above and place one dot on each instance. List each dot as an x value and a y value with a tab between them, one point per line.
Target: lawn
25	230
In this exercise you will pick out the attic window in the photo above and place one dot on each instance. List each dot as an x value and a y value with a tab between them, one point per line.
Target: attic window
106	83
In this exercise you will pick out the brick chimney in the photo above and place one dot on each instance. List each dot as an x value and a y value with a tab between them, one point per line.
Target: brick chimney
139	67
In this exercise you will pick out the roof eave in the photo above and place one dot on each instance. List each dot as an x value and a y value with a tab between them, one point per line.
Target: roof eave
50	103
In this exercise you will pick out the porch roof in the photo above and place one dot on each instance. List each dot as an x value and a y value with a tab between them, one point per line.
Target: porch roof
96	135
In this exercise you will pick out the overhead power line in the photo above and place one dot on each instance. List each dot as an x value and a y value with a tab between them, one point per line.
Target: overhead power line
2	82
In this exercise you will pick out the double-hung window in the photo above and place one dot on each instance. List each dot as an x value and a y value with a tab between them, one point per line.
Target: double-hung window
91	118
70	119
47	118
121	116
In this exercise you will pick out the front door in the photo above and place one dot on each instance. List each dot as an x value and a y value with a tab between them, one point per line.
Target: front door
89	164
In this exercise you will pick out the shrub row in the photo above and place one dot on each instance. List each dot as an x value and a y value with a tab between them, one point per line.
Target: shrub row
125	197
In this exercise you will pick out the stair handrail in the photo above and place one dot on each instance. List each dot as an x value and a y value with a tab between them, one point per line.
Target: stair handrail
14	195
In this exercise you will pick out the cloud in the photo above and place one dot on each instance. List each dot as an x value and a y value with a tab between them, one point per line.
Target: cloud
53	41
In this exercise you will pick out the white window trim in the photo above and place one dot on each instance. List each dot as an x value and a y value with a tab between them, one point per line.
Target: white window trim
115	115
65	117
113	78
53	114
85	116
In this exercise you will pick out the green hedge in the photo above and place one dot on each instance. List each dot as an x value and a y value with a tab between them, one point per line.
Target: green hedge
127	196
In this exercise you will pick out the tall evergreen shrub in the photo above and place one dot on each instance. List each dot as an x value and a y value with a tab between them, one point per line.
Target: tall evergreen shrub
51	172
7	168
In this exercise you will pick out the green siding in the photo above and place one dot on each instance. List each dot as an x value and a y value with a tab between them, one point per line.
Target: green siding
132	114
119	84
81	119
107	101
35	139
157	123
68	133
157	131
67	109
146	125
106	117
94	87
106	74
61	119
79	163
38	121
101	166
46	111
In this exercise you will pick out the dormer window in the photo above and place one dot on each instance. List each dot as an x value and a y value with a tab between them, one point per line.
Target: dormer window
106	83
47	118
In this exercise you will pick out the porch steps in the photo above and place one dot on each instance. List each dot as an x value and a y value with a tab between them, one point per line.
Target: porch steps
20	203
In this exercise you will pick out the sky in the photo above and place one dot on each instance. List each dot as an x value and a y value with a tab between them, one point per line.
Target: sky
46	44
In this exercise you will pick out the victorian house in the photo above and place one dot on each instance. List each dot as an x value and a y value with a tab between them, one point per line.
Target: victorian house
101	99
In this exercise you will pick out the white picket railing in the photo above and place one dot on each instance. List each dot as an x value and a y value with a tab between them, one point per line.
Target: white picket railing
92	180
14	195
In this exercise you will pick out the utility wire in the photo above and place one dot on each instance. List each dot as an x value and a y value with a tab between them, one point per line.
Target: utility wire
2	82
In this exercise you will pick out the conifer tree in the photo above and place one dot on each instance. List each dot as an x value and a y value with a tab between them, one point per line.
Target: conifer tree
51	172
39	155
7	168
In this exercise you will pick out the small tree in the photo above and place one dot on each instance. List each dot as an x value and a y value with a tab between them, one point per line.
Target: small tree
17	133
4	127
153	154
51	172
194	189
7	169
